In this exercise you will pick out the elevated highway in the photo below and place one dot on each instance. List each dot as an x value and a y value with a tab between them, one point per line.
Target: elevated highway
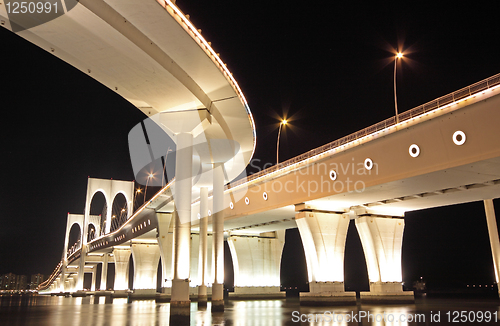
442	153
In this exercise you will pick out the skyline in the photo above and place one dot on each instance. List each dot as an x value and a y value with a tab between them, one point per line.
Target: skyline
327	77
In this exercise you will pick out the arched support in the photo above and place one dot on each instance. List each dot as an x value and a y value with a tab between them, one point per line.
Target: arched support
109	188
323	237
121	257
382	238
146	258
256	262
494	241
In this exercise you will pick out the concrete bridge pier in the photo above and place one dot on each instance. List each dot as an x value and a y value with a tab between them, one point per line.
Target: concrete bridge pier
104	272
382	238
323	237
165	242
121	257
94	274
203	248
218	238
146	257
256	262
179	300
494	241
62	278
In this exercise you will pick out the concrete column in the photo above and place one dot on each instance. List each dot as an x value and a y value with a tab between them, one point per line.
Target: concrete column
382	238
60	286
122	258
323	237
202	259
83	255
94	274
256	262
104	272
165	242
494	241
218	238
146	258
181	262
182	221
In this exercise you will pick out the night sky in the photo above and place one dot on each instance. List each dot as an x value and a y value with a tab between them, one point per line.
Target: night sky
325	66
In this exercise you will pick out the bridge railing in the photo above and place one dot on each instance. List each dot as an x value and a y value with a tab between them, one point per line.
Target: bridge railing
419	110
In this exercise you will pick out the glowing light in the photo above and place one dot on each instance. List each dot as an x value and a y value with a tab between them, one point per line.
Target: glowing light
399	55
459	137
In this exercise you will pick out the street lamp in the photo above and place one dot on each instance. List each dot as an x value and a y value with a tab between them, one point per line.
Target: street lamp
399	55
150	176
282	123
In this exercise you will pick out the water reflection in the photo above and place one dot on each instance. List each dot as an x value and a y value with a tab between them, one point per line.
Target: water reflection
104	310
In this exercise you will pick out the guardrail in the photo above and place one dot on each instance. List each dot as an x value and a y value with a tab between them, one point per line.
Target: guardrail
419	110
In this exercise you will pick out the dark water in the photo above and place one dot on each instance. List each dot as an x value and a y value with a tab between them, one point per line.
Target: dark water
55	311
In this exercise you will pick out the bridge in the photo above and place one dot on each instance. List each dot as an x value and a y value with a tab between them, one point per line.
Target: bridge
441	153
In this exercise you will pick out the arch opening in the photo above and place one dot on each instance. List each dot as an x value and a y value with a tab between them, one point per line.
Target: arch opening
99	207
119	211
74	239
91	234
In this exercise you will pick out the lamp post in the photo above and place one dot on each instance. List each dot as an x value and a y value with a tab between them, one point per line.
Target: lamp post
399	55
165	166
282	123
150	176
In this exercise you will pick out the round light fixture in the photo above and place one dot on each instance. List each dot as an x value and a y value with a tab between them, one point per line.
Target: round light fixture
414	150
459	137
368	164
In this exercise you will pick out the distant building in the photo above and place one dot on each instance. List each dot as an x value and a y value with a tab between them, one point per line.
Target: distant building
36	280
9	282
13	282
21	282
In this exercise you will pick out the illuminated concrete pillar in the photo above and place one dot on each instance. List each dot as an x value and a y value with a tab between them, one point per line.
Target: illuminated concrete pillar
494	241
62	281
146	258
181	262
104	272
382	238
165	242
182	223
121	257
218	238
83	256
323	237
256	263
203	247
94	274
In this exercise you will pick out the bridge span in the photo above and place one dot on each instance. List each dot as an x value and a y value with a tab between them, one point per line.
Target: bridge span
441	153
147	51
